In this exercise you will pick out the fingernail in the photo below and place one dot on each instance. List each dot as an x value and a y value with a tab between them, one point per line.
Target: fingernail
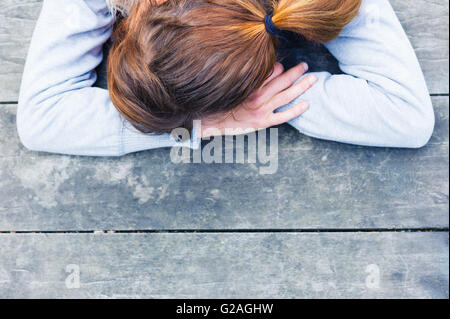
305	106
312	79
305	66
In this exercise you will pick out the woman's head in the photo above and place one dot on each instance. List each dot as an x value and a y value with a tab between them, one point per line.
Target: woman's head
181	60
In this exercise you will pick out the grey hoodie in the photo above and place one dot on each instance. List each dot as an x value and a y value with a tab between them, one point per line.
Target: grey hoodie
381	100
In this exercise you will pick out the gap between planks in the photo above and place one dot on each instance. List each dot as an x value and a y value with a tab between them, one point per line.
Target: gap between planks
218	231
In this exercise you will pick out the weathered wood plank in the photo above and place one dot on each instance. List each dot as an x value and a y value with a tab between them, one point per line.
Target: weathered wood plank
319	184
345	265
18	19
426	22
427	26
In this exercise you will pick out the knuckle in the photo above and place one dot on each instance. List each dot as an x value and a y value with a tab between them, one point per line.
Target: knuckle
258	113
295	93
304	85
278	69
298	110
293	78
257	99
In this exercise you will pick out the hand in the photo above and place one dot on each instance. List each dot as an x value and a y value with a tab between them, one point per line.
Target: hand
258	111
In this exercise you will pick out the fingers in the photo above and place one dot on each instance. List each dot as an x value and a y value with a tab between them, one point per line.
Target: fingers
283	81
289	114
278	70
293	92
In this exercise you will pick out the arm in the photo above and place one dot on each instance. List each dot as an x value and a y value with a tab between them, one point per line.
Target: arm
382	100
59	110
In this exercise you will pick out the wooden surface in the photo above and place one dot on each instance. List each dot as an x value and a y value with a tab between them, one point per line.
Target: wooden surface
318	185
367	265
334	189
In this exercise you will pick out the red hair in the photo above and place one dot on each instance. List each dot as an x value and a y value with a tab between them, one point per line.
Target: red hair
181	60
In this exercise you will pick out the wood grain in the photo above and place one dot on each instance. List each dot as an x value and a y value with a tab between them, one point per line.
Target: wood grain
426	23
318	184
365	265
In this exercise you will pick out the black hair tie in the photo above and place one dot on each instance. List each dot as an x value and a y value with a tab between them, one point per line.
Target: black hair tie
270	26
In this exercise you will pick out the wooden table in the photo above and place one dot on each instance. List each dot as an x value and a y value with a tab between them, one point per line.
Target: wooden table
336	220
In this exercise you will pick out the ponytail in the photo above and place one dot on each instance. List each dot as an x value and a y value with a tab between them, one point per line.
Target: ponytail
316	20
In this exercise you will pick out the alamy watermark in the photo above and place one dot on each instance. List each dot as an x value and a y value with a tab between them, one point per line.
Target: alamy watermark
73	279
373	277
261	148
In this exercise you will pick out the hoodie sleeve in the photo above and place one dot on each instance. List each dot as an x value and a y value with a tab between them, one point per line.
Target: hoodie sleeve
59	109
382	99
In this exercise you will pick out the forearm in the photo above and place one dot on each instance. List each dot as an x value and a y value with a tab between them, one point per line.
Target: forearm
382	100
59	110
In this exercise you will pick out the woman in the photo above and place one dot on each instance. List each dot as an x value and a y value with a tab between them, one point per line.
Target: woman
183	60
381	100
